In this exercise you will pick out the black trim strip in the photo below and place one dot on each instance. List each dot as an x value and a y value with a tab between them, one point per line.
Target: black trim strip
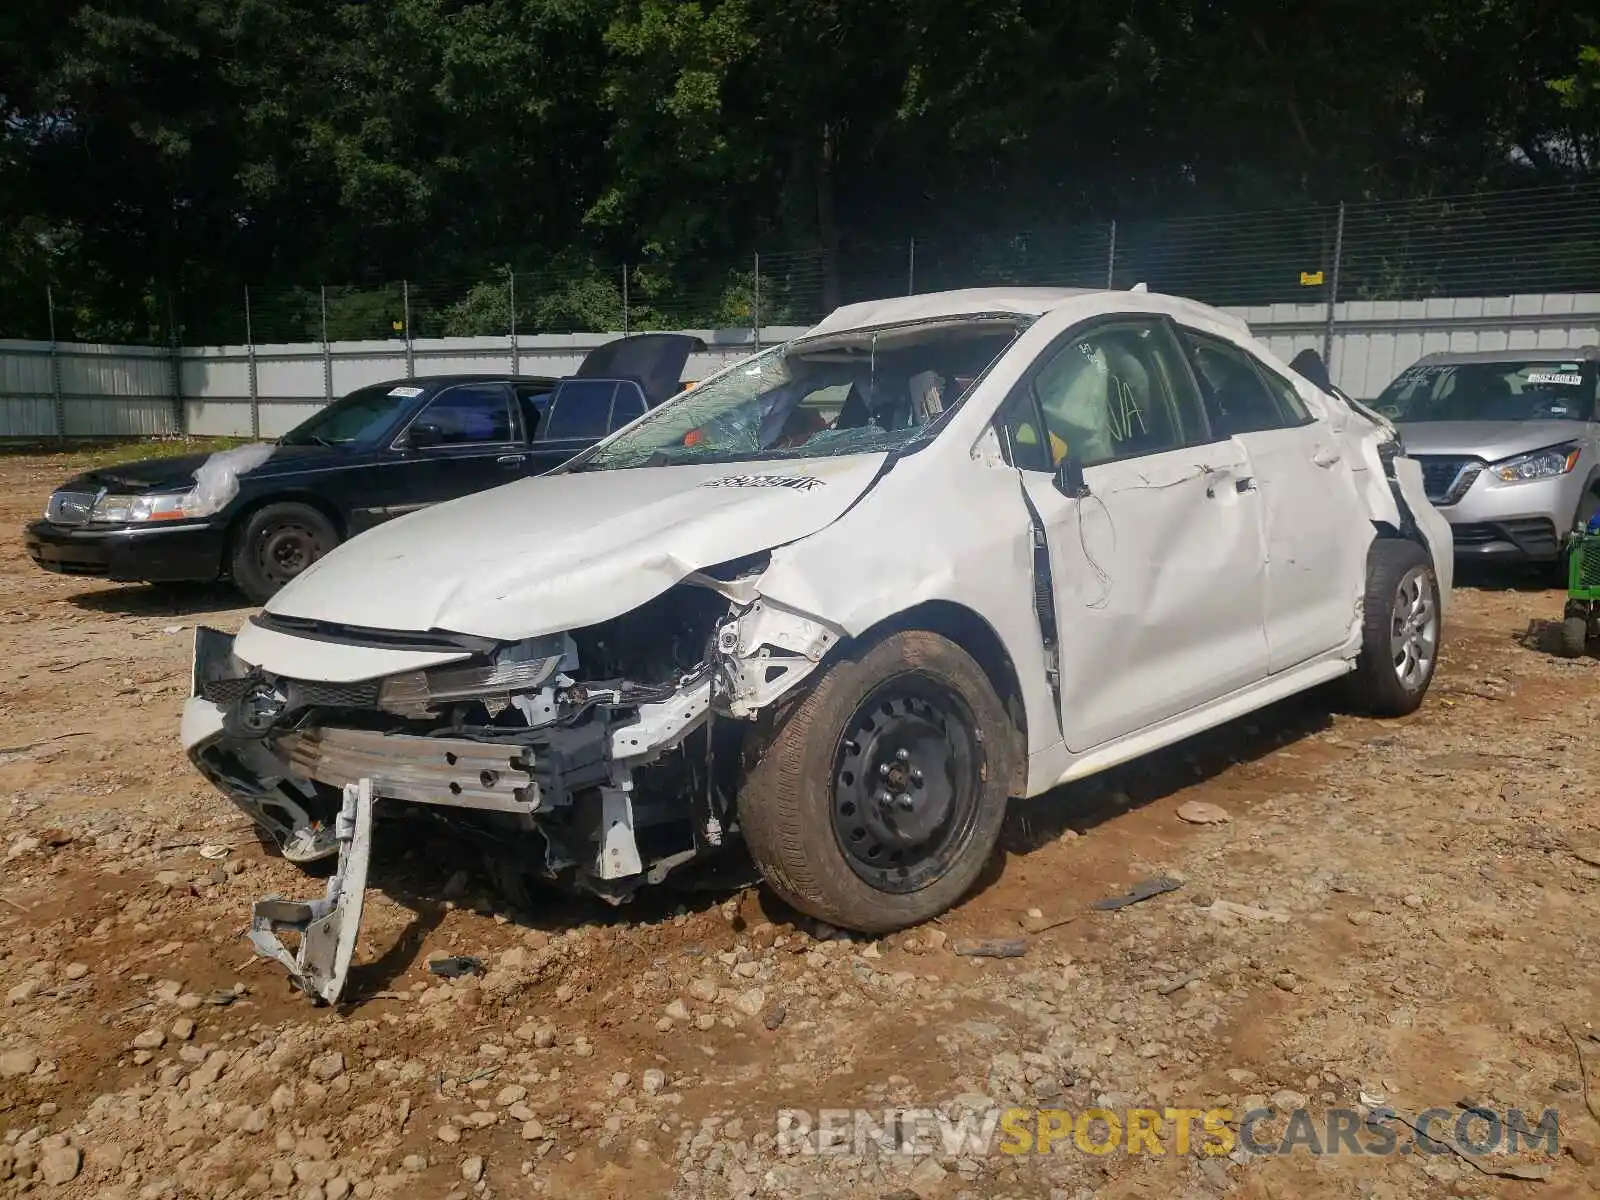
432	642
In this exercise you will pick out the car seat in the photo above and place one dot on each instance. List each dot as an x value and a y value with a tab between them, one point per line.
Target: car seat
1495	400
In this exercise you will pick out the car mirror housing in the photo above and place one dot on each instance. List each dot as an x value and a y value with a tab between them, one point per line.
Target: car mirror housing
1069	479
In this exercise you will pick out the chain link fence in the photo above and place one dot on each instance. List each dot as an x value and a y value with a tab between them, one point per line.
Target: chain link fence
1528	241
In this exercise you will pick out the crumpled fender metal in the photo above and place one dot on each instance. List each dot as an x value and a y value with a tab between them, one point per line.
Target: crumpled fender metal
328	927
1363	433
765	651
1433	527
922	540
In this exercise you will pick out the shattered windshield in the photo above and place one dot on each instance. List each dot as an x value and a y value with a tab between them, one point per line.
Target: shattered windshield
361	416
1491	391
851	393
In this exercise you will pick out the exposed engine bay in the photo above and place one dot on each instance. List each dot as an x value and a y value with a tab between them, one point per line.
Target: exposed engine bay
599	760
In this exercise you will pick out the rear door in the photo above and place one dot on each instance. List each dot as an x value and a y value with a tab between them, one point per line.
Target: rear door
579	413
467	438
1315	526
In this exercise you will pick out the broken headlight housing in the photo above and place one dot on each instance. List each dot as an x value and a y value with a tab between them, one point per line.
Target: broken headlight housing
520	667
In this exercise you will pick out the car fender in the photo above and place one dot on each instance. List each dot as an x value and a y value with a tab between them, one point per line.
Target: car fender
933	531
1394	496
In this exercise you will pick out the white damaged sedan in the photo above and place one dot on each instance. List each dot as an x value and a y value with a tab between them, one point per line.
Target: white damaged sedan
838	603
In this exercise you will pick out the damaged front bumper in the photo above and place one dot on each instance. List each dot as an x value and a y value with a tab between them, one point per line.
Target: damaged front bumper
327	928
589	802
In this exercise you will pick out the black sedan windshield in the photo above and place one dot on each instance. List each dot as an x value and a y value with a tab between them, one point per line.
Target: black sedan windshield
362	416
1491	391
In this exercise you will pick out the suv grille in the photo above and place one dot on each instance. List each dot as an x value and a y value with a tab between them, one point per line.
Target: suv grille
69	508
1446	479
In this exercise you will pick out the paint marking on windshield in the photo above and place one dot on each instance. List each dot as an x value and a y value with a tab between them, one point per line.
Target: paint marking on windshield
1555	377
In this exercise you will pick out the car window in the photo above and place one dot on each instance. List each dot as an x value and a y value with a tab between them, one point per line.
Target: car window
866	391
1236	396
533	400
1510	390
1283	392
580	408
1017	425
627	405
361	416
1119	391
468	414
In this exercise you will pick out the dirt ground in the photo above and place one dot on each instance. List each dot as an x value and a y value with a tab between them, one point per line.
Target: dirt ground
1394	912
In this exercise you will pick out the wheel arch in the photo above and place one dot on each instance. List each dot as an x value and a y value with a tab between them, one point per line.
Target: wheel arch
974	634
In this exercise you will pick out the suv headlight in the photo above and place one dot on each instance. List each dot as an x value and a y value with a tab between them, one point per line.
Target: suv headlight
113	509
1540	464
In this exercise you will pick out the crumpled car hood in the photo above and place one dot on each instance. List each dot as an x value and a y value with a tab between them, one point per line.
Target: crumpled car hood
563	551
1488	440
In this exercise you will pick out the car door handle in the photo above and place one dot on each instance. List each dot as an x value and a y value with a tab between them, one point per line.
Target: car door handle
507	460
1326	457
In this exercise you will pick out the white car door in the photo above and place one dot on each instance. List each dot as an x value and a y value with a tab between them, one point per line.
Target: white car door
1316	528
1156	568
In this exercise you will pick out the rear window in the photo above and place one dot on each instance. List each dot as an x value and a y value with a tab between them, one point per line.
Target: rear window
580	408
1512	390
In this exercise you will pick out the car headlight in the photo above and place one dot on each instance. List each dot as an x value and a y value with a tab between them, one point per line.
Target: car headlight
1540	464
521	667
112	509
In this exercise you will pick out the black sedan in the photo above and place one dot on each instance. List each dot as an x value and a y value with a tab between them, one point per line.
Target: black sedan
261	514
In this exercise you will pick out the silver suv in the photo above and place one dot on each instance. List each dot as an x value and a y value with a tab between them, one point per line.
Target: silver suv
1508	443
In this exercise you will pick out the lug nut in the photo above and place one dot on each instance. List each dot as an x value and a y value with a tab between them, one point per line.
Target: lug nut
904	801
883	769
902	754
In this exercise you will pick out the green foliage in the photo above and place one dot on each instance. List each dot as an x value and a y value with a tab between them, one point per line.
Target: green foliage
157	156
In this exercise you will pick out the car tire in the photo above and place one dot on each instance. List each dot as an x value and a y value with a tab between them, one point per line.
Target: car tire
879	798
275	544
1574	637
1400	633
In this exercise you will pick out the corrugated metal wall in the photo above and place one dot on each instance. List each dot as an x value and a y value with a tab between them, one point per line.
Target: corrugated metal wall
1374	340
241	391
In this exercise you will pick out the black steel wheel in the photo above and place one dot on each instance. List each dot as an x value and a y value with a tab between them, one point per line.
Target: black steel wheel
906	783
276	544
878	797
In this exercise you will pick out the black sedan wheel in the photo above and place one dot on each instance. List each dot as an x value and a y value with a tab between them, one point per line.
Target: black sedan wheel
276	544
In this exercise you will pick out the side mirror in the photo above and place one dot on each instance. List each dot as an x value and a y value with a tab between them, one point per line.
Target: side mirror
424	434
1069	479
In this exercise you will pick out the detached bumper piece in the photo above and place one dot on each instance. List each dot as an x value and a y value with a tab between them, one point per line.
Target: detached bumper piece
327	928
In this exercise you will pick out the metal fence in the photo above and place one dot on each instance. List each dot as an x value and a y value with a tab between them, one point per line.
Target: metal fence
261	390
1371	285
1531	241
